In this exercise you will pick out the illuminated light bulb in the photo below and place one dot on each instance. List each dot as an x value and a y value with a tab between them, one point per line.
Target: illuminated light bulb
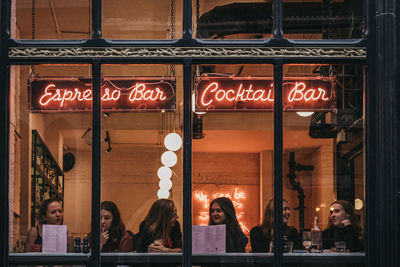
304	113
169	158
317	209
194	105
165	184
173	141
358	204
162	193
164	172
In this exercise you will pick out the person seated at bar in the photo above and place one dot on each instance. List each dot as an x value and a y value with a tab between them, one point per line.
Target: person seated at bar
222	211
262	235
343	226
113	237
50	213
160	231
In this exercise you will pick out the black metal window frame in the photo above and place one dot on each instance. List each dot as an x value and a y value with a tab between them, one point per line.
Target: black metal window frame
377	14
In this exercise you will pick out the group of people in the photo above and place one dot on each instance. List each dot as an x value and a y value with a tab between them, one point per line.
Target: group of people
161	232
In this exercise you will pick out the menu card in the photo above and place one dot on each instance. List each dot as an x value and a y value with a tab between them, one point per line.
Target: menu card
209	239
54	238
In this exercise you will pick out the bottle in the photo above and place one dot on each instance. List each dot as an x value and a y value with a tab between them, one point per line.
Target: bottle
85	247
77	244
316	237
285	244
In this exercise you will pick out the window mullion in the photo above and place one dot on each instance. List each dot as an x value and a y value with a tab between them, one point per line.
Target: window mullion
96	18
187	163
187	19
277	19
278	154
96	162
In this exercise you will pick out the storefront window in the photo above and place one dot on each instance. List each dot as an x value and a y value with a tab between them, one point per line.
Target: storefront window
51	19
323	19
232	156
323	160
142	157
50	158
135	19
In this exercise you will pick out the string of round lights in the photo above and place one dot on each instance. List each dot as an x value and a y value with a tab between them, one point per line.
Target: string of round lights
172	142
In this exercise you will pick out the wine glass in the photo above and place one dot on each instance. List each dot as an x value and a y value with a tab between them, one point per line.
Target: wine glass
307	240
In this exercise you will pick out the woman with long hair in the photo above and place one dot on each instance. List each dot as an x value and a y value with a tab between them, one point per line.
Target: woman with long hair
160	230
50	212
261	235
343	226
113	237
222	211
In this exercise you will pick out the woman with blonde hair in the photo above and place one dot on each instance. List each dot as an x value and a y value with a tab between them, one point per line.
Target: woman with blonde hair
160	230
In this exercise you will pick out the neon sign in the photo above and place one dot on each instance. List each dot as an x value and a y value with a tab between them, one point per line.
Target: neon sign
117	94
238	93
237	198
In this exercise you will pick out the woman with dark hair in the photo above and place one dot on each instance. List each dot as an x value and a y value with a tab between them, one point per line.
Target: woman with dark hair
50	212
343	226
261	235
160	230
113	236
222	212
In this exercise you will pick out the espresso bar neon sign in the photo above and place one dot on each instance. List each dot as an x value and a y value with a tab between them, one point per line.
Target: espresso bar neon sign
216	93
72	95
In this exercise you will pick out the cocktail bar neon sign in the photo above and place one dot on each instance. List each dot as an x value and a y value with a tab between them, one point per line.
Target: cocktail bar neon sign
117	94
230	93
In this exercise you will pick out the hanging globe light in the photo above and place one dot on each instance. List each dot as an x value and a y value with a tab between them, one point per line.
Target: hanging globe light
165	184
162	193
173	141
169	158
304	113
164	172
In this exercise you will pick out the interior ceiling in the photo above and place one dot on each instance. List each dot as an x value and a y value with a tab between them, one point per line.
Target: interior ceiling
224	132
122	19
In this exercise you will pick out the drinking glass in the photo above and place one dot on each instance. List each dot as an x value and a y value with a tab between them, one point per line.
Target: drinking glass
340	246
307	240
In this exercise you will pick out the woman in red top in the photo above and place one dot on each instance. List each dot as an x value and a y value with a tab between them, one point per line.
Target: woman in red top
113	236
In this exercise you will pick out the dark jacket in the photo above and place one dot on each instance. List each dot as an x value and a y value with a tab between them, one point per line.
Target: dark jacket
236	242
143	239
260	241
347	233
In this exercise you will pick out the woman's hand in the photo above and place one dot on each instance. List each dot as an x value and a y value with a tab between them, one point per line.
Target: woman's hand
157	246
104	236
345	222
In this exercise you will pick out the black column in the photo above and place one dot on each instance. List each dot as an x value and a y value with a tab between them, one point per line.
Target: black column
382	137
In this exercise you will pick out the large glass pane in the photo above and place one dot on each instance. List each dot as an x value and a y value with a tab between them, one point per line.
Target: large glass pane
323	161
136	19
227	19
323	19
51	19
141	158
232	158
50	158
